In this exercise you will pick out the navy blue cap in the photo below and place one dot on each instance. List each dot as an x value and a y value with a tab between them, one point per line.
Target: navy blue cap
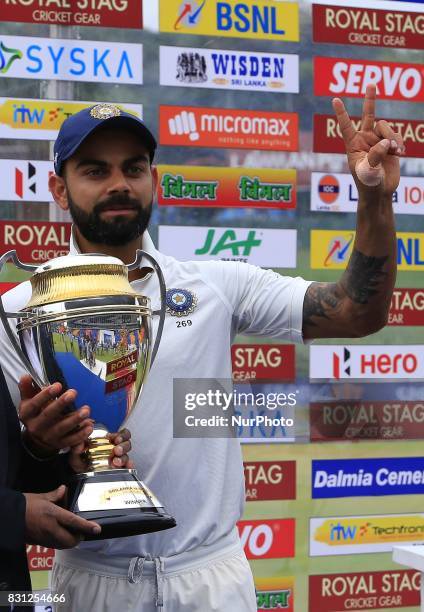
79	126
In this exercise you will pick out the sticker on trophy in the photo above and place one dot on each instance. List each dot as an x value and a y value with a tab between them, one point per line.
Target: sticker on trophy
180	302
111	496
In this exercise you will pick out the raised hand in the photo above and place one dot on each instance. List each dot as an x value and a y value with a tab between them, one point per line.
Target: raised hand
373	151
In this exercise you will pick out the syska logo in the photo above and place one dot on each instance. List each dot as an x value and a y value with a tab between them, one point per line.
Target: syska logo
351	77
71	60
268	539
228	243
338	250
7	57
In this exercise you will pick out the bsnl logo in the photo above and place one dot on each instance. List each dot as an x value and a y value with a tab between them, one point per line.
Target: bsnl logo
230	16
227	242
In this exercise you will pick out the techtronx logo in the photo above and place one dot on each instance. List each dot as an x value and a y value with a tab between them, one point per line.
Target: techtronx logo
227	128
26	57
31	119
364	590
348	77
364	477
266	19
331	249
364	534
268	539
227	69
338	193
328	138
355	25
261	247
371	361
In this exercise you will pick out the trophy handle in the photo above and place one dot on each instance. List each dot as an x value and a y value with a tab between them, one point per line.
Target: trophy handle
136	264
4	316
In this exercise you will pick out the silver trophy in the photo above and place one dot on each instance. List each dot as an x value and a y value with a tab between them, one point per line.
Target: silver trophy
86	328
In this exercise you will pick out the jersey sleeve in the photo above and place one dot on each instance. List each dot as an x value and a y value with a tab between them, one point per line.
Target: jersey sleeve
263	302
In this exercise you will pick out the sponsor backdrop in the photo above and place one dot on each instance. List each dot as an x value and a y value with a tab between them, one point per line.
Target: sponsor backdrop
252	169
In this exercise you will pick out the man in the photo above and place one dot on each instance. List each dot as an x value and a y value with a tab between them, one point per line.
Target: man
105	178
29	462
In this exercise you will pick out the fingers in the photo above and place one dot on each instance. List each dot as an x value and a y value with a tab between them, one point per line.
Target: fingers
368	109
64	539
122	442
346	126
383	130
75	523
369	169
27	387
121	436
31	405
56	495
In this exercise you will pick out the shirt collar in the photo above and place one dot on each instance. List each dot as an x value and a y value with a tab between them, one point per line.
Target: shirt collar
147	245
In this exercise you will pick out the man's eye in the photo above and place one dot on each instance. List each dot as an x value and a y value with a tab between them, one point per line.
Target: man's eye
135	169
95	171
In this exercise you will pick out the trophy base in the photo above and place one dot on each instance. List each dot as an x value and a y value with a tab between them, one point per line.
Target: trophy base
116	500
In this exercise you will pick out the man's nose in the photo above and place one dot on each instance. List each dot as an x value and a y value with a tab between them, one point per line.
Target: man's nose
118	182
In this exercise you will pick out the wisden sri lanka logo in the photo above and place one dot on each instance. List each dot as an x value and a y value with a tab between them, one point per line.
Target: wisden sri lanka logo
342	535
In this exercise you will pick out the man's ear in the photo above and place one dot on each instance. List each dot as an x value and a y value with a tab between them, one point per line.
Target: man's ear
57	188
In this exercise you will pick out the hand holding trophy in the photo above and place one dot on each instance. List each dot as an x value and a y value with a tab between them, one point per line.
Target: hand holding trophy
86	328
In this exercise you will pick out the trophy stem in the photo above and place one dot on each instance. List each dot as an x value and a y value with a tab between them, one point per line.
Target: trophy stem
99	450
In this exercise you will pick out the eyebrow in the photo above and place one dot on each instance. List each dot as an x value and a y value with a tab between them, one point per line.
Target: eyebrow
99	162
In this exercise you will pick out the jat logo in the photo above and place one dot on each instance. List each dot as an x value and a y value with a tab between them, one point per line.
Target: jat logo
229	243
263	19
7	57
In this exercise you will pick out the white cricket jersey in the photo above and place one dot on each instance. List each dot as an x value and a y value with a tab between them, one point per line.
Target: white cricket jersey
200	481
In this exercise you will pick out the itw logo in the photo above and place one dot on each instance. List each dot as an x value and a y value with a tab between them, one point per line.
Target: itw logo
228	242
341	533
5	63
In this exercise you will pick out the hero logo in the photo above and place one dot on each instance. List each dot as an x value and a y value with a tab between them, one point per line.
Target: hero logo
383	364
391	80
341	362
272	539
19	180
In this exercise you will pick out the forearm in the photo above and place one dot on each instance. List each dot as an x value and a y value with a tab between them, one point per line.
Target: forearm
358	304
370	275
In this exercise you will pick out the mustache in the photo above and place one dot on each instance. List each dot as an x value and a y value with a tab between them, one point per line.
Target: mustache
116	201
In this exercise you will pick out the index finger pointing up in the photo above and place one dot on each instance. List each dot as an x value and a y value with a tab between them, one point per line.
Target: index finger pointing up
344	121
368	109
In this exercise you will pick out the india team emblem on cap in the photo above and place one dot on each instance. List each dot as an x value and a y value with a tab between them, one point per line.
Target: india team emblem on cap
180	302
105	111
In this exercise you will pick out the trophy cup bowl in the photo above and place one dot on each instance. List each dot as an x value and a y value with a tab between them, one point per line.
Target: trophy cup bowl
86	328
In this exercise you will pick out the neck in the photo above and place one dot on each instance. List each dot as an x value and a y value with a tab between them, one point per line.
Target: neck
125	252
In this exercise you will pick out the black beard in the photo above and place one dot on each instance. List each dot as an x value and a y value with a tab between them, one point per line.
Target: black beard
116	232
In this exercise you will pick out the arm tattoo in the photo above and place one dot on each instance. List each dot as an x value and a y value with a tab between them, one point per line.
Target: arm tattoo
360	282
319	299
363	276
